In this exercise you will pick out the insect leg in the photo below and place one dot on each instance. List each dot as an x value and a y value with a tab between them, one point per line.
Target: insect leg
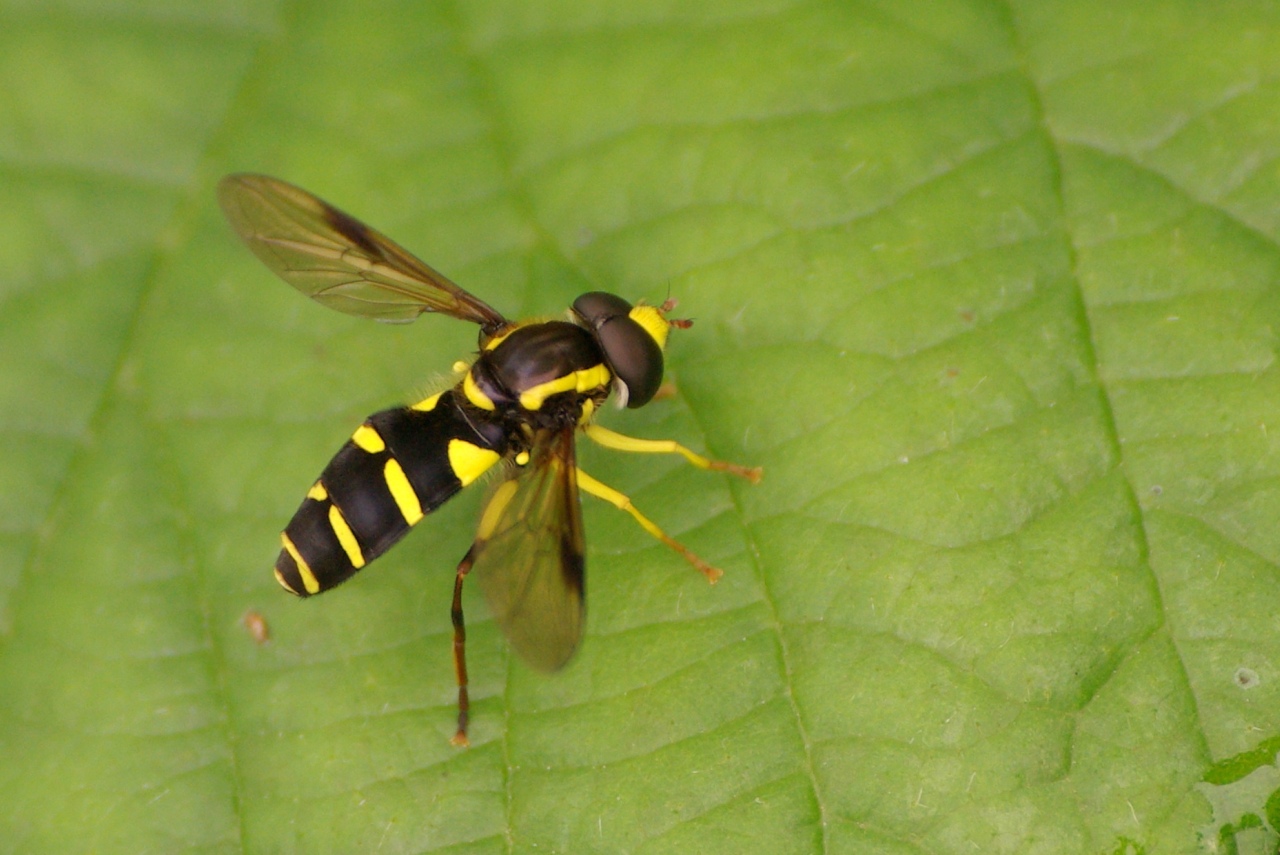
460	649
621	442
601	491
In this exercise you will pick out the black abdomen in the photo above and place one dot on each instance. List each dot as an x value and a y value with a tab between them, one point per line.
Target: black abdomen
398	466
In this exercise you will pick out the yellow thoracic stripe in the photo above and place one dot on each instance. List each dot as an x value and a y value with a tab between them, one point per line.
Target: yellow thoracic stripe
368	439
426	405
346	537
402	491
474	395
499	338
584	380
304	572
469	461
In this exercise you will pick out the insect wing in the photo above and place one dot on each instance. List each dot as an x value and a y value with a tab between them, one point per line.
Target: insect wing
337	260
529	557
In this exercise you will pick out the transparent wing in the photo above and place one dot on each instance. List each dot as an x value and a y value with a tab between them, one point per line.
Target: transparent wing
337	260
529	557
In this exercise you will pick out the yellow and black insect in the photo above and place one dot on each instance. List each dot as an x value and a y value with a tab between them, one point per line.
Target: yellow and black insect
531	387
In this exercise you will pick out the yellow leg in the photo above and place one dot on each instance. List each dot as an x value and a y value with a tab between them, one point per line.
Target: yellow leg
621	442
618	500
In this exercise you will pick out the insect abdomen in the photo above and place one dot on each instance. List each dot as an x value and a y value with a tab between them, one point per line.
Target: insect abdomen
400	465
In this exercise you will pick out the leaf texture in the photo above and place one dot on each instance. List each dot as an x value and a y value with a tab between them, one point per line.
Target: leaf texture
990	291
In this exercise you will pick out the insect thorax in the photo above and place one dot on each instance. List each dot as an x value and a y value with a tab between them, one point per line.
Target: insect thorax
542	373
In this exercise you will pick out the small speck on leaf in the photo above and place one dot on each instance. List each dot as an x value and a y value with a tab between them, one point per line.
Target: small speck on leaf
1247	678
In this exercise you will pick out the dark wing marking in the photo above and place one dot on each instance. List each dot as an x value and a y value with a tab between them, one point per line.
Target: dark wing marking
529	556
337	260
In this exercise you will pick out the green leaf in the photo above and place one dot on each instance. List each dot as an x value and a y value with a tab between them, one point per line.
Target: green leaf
989	290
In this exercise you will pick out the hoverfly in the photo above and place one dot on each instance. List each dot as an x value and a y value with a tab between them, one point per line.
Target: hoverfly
531	388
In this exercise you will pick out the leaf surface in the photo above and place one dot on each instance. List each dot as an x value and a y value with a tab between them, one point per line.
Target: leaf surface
990	291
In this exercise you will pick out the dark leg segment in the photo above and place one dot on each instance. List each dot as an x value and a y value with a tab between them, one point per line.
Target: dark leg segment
460	649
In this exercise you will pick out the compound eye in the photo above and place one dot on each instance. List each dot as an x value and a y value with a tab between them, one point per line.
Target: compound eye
597	307
634	356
